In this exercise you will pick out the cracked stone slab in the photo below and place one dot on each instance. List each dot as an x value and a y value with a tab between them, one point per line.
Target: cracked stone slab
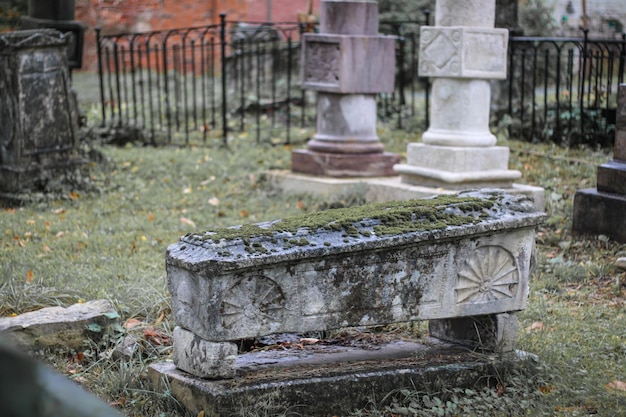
59	326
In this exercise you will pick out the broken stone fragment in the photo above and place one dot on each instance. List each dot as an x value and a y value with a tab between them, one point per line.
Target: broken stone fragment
203	358
59	327
621	263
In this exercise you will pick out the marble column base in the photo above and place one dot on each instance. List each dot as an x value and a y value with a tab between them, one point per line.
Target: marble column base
457	167
344	165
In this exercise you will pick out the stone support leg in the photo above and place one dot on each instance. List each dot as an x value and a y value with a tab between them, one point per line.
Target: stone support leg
497	332
203	358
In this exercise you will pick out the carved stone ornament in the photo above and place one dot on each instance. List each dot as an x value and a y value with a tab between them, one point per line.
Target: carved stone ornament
254	300
32	38
490	273
461	52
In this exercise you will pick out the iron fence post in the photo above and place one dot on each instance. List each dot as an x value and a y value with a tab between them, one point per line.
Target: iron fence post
223	57
101	76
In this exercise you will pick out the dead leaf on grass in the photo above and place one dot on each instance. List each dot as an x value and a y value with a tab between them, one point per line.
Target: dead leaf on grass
309	340
156	337
187	221
29	276
130	323
536	327
616	385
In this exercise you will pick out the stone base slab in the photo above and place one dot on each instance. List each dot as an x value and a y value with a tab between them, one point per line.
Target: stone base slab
344	165
323	386
612	178
377	190
458	159
598	213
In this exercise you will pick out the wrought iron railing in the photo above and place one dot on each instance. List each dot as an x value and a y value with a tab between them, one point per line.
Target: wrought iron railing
198	85
564	90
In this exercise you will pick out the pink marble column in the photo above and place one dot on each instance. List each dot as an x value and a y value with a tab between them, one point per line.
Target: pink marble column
348	63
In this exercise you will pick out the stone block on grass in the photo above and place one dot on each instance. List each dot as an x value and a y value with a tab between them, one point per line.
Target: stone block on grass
52	327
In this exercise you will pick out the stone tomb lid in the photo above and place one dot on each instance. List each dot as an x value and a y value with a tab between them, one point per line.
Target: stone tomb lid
366	227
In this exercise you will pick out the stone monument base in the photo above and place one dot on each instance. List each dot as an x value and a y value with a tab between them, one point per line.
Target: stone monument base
378	189
314	382
597	212
465	167
344	165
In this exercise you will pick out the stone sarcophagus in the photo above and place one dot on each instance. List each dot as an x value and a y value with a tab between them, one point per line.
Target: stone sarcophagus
441	259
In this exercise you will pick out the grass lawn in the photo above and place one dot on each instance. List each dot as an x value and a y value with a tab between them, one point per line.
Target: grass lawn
110	243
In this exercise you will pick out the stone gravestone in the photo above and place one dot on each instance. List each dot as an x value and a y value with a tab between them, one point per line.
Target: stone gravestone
602	210
38	116
348	63
462	52
463	262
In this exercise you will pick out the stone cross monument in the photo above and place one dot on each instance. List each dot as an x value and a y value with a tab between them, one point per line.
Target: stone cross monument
602	210
348	63
462	52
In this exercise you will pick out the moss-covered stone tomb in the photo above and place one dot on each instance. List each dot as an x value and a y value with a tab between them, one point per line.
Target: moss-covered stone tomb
454	260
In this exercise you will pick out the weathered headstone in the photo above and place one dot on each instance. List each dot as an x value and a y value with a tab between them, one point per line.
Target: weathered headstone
602	210
39	119
463	262
348	63
462	52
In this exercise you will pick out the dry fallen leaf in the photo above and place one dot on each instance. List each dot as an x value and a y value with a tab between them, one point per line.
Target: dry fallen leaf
536	327
244	213
309	340
616	385
29	276
150	217
214	201
130	323
187	221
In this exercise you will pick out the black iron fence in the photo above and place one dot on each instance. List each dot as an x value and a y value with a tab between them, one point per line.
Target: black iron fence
564	90
202	83
208	84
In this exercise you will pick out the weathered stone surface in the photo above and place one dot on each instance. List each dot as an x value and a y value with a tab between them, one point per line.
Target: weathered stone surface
597	213
472	13
202	358
58	326
462	52
38	115
457	168
340	165
332	388
612	178
310	280
334	63
349	17
28	388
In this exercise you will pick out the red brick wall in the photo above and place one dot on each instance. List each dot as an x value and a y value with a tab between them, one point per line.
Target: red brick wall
281	10
115	16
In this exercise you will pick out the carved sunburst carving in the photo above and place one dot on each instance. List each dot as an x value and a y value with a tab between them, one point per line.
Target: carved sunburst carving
255	301
490	273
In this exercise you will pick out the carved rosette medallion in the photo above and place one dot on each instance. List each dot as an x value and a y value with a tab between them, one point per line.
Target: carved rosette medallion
322	62
253	301
490	273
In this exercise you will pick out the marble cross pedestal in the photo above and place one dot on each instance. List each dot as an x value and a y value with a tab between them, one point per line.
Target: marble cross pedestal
602	210
348	63
462	52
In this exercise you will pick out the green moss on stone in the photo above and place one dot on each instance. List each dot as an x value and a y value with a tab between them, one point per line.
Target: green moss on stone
391	218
